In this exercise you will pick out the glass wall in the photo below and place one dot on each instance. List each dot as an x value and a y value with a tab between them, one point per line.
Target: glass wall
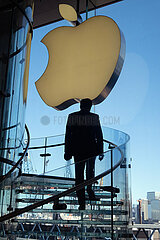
15	41
49	154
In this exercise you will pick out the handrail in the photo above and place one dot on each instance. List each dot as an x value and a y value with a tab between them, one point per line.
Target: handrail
9	148
64	193
8	161
49	146
54	145
10	127
23	12
61	144
2	178
55	169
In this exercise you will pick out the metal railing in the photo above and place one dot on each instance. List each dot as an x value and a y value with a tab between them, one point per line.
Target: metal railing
16	165
66	192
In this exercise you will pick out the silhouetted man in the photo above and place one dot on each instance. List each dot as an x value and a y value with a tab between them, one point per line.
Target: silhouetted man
83	140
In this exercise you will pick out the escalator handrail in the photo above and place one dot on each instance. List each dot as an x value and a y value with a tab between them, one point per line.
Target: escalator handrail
64	193
2	178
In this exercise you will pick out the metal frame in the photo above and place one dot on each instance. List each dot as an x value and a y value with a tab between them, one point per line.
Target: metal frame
108	225
62	194
74	231
142	229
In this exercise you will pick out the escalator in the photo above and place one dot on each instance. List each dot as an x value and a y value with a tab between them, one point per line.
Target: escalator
34	195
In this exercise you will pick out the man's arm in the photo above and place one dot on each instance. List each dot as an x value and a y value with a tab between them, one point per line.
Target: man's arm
99	136
68	140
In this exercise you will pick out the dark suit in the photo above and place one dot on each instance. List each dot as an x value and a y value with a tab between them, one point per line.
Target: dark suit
83	140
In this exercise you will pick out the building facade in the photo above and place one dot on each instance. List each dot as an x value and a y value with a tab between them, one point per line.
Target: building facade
154	205
148	210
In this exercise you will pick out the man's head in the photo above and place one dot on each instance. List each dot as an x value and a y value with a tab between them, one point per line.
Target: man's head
86	104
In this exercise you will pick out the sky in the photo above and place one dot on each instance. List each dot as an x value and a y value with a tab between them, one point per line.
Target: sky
133	104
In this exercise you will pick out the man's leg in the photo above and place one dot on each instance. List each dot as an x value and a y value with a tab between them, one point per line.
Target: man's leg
79	174
90	173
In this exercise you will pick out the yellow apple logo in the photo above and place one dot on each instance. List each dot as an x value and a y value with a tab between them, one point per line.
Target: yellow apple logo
84	62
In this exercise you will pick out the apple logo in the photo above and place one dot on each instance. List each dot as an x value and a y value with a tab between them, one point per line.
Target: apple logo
84	61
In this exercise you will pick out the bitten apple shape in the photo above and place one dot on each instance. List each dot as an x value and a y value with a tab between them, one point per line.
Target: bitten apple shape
84	62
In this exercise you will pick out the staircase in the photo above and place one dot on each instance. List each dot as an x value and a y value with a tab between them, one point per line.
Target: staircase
107	218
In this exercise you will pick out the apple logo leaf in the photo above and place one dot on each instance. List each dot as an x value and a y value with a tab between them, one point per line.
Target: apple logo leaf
68	12
84	61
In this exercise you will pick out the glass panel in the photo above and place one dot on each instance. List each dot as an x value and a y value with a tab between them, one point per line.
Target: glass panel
59	178
12	122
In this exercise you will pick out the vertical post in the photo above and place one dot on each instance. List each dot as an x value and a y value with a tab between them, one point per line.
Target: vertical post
45	151
140	210
82	228
86	9
77	9
44	163
112	230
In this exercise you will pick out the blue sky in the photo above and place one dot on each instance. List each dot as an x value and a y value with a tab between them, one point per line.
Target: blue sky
133	104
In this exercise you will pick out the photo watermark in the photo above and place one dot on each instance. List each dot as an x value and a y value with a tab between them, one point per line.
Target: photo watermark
62	120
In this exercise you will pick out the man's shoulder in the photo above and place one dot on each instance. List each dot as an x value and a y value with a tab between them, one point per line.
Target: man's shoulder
74	114
94	115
